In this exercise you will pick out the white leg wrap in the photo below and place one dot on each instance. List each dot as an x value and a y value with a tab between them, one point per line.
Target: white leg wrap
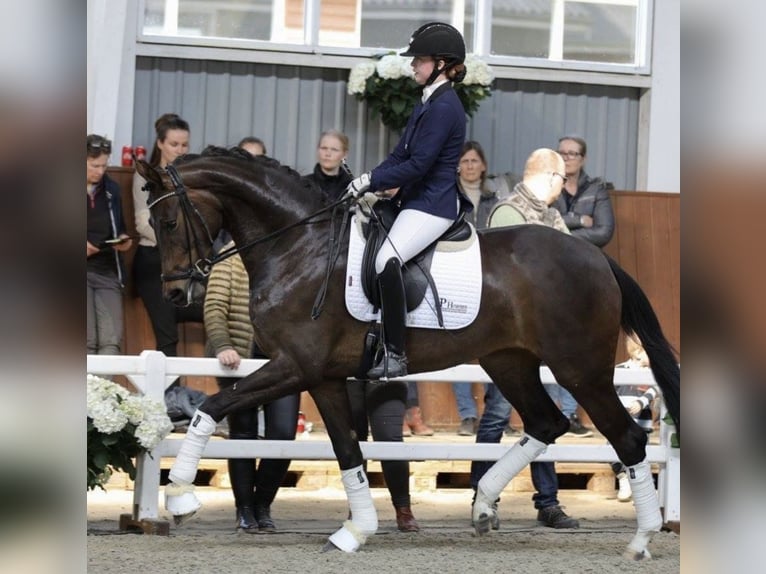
647	510
502	472
364	517
184	468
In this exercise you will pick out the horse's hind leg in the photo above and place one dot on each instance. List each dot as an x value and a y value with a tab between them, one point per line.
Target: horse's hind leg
517	375
331	398
599	399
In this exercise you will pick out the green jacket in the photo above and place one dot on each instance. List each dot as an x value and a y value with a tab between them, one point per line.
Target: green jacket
521	206
227	308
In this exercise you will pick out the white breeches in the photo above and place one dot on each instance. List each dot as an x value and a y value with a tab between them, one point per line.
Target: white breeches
411	232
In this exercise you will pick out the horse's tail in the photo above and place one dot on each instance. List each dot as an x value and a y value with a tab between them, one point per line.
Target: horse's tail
639	317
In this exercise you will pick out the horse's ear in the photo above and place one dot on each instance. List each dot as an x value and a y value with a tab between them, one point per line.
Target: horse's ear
149	173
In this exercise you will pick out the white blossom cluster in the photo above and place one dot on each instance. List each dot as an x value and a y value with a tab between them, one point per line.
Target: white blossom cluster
477	71
389	67
112	407
393	66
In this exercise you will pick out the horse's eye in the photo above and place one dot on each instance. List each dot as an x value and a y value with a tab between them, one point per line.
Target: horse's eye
170	224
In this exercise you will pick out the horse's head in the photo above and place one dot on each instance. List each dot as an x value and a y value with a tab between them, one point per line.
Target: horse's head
186	222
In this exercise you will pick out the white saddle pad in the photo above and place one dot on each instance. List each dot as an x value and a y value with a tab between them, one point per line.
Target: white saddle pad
456	269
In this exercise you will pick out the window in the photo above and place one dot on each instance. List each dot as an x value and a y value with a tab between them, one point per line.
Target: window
611	33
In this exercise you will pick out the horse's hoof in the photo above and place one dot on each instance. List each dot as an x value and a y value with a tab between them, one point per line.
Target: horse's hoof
181	519
483	524
329	547
181	502
636	555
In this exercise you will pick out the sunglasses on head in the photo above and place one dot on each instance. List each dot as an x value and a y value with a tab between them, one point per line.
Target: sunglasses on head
101	145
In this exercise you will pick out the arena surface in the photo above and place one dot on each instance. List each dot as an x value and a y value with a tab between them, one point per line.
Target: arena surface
445	544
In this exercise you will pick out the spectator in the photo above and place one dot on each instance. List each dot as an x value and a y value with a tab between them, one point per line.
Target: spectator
587	212
253	145
413	417
529	202
172	142
484	192
230	337
382	408
106	239
639	400
585	205
422	166
328	174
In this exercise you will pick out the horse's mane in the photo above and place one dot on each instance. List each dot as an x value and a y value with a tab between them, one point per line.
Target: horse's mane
268	162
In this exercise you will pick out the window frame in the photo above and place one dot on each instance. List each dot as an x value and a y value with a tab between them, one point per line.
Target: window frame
310	53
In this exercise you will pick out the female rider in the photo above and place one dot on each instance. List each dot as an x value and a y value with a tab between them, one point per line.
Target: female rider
423	166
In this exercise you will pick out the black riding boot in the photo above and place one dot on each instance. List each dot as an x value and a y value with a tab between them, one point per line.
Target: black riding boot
242	475
393	312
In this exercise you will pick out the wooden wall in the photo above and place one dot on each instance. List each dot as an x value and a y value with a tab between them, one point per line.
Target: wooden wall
646	243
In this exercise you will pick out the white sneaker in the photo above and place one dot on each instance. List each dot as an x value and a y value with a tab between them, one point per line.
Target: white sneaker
624	493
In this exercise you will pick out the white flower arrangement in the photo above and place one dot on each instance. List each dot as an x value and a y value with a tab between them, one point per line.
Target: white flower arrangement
120	425
388	85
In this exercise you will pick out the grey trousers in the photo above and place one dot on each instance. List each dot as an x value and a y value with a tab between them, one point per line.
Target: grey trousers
105	319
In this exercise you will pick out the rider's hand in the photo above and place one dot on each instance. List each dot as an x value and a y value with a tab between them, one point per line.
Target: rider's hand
359	185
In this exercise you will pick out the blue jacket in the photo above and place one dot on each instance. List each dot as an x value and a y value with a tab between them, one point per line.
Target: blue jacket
116	222
424	163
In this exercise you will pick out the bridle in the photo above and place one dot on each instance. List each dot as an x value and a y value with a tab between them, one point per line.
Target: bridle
200	269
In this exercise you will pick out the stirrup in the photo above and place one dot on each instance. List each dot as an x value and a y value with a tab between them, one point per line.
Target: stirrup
391	365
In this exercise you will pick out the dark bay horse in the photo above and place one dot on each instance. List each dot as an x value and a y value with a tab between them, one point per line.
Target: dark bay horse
547	297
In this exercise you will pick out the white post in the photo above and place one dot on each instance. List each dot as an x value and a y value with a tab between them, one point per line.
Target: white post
147	486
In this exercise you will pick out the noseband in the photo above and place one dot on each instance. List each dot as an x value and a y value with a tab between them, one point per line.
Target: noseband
200	269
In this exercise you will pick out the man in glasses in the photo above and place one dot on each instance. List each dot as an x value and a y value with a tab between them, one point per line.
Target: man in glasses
106	239
529	202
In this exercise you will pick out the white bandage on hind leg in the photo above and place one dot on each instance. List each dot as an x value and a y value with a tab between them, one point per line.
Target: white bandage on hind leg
647	506
184	468
502	472
364	517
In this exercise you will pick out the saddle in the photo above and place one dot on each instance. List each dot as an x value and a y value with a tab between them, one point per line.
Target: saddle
416	273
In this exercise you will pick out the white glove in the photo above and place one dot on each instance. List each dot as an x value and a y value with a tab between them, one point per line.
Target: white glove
359	185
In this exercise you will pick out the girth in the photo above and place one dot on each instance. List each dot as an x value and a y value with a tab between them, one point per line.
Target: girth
416	273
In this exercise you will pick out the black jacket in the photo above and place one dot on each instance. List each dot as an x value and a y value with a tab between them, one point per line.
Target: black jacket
592	198
332	186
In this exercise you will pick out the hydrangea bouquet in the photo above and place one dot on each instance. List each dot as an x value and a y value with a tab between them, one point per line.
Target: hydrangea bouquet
387	84
121	425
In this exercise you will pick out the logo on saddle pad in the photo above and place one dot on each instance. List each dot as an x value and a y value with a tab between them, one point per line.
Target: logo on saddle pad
456	271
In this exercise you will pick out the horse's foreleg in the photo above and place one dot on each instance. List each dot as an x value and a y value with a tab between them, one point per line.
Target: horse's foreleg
180	499
331	398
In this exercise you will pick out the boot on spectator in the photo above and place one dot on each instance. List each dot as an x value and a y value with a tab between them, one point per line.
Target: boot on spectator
413	418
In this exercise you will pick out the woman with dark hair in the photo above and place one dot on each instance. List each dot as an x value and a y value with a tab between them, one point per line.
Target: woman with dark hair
423	166
172	141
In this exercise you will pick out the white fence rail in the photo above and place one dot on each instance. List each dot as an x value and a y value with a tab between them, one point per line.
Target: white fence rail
152	372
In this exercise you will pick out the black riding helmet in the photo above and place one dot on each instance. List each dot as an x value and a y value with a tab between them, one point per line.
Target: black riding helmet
439	41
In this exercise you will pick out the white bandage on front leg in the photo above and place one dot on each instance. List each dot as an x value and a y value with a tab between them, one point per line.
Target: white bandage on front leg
647	506
184	468
502	472
364	517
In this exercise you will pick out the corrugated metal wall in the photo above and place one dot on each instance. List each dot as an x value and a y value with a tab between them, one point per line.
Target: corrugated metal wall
289	106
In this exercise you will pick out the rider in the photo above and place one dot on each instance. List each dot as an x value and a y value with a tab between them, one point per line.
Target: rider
423	166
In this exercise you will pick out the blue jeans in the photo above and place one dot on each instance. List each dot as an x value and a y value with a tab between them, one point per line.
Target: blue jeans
466	405
563	398
497	414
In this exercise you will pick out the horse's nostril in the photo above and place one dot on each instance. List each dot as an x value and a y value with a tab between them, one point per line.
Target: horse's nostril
176	296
